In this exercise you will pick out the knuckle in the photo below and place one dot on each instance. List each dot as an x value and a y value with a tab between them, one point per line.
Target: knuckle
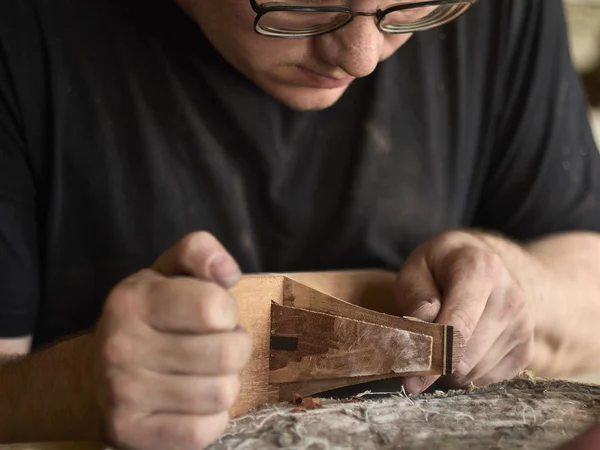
196	437
466	261
118	351
124	391
121	428
227	355
225	393
232	352
127	297
217	308
462	263
514	302
493	263
201	434
121	300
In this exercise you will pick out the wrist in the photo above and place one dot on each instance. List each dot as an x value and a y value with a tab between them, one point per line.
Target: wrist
87	382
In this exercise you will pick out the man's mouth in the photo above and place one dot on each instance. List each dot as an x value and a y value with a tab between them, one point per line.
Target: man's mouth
318	80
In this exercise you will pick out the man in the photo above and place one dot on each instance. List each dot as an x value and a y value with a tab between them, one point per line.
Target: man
447	140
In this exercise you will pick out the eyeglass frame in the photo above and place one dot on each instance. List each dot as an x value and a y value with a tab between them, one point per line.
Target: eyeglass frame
380	14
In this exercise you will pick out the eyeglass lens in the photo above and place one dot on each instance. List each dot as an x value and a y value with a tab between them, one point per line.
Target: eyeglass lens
306	23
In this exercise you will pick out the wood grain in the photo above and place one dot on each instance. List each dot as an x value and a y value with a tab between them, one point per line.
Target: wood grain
299	295
519	414
364	289
254	295
333	347
371	289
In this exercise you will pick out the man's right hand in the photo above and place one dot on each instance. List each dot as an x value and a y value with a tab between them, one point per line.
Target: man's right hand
168	350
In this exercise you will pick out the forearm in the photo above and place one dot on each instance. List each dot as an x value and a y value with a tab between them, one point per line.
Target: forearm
561	276
568	335
47	397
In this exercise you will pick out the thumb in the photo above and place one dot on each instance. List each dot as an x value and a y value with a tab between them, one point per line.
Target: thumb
416	291
202	256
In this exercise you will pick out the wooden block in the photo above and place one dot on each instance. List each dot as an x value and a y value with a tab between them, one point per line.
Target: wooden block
317	293
254	295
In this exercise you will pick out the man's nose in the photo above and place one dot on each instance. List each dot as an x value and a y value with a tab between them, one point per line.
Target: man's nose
356	48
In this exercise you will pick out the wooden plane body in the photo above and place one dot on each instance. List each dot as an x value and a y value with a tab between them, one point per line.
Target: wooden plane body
313	332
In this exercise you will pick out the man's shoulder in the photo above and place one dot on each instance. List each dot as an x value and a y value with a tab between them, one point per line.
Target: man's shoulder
22	22
18	9
46	17
13	12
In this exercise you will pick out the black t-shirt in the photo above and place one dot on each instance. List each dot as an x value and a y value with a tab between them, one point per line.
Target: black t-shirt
122	130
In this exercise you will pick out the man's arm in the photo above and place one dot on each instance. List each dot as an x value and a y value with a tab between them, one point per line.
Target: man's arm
542	190
560	277
519	305
160	370
567	309
44	395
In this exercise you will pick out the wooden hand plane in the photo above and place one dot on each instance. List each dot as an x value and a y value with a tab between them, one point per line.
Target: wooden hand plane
313	332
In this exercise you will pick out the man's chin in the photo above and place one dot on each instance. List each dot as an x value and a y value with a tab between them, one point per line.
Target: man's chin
305	98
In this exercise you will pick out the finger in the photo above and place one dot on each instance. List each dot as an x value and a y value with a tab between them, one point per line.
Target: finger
206	355
468	277
418	385
510	366
506	343
498	332
416	292
168	431
200	255
465	298
468	371
488	345
175	394
186	305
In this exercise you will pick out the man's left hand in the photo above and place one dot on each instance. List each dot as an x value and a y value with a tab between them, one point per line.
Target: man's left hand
459	278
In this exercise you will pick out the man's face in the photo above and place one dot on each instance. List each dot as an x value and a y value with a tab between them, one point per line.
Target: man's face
304	74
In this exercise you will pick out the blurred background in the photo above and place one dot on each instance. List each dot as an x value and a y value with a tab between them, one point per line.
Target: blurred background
584	25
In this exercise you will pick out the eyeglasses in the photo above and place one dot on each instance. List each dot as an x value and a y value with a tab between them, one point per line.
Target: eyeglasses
291	19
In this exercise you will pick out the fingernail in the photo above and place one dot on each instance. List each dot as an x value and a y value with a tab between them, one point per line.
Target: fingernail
224	270
414	385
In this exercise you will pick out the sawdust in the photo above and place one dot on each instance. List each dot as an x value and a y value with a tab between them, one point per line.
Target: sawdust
526	412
